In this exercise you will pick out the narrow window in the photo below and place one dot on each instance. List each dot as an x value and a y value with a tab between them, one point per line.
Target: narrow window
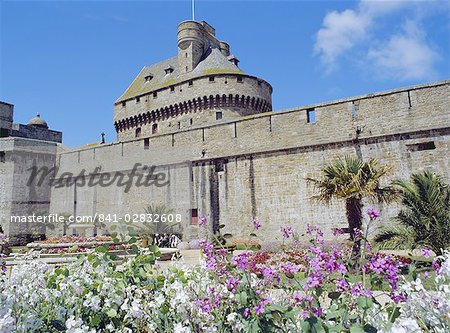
311	116
4	132
240	79
259	82
194	216
2	157
211	79
146	143
218	115
137	133
179	124
270	124
154	128
409	99
155	94
186	55
138	99
191	83
191	121
124	104
422	146
148	78
172	88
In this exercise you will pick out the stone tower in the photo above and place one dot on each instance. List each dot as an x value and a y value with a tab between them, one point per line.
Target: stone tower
201	85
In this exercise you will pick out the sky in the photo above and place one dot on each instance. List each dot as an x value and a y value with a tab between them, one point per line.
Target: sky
70	60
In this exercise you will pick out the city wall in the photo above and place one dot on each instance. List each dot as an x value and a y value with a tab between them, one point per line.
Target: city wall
257	165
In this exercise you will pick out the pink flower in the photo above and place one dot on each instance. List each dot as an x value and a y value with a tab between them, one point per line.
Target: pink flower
373	213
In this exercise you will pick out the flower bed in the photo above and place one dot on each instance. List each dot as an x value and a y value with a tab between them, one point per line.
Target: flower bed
313	289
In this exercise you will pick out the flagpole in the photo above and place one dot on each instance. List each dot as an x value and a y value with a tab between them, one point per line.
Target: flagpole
193	10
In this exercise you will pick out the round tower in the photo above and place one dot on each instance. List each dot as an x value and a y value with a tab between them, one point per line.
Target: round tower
191	45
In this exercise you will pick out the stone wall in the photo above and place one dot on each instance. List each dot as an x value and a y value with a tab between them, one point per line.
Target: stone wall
257	165
18	196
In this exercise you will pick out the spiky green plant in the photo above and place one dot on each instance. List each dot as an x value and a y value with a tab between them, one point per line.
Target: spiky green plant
424	220
351	179
149	228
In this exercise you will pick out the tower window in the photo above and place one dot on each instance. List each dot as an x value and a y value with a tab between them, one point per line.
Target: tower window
155	94
138	99
218	115
240	79
191	121
124	104
194	216
148	78
154	128
146	143
211	79
172	88
311	116
191	83
2	157
137	133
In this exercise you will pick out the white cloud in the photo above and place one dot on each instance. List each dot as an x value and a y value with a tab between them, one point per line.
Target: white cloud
340	33
405	56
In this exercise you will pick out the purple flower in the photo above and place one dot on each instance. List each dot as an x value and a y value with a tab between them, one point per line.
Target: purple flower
246	312
373	213
360	290
338	231
260	308
426	252
398	297
232	284
202	221
358	233
287	231
341	285
241	261
436	266
256	223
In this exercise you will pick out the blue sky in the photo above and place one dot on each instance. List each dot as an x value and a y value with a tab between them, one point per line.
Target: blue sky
70	60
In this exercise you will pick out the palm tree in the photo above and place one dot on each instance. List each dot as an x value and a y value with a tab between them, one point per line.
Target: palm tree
424	220
350	179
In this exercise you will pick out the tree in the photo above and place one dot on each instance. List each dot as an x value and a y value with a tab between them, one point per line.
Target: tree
424	220
350	179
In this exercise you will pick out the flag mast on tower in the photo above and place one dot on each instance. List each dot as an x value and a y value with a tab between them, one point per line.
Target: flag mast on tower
193	9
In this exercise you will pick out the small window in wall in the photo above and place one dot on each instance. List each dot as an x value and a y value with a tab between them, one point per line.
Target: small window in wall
179	124
124	104
138	99
191	121
148	78
191	83
172	88
137	133
240	79
146	143
211	79
194	216
4	132
155	94
311	116
154	128
422	146
218	115
2	157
